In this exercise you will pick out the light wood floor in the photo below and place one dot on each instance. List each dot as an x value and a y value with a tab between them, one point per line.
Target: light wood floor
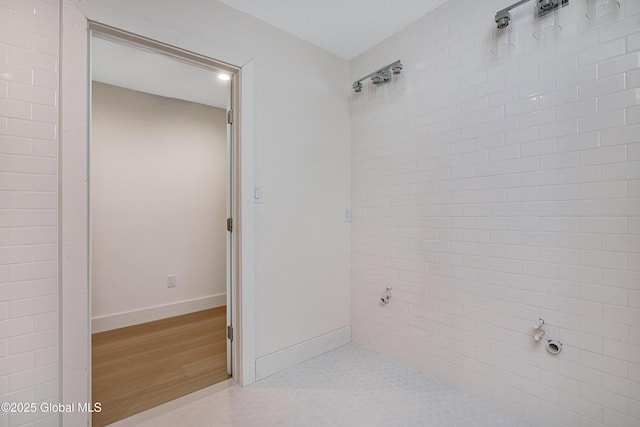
139	367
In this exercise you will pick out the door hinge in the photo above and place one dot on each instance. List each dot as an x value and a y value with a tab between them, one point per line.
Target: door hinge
230	117
230	332
229	225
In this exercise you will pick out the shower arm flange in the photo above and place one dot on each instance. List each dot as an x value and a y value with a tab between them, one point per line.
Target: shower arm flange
381	70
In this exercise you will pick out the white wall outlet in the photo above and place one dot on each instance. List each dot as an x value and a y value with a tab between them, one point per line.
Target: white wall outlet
171	281
347	214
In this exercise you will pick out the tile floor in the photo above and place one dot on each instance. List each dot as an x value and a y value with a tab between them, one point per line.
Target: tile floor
350	386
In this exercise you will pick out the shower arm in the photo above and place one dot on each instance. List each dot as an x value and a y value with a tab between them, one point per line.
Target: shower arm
513	6
382	70
543	7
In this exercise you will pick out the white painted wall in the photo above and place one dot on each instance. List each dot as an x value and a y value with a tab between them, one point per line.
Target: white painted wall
301	159
158	198
29	368
490	191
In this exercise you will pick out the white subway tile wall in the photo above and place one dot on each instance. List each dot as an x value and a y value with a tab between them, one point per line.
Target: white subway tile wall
489	191
28	208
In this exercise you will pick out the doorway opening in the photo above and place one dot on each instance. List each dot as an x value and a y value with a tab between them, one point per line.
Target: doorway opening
161	196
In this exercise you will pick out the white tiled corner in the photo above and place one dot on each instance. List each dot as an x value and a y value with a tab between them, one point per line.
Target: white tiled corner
560	150
28	189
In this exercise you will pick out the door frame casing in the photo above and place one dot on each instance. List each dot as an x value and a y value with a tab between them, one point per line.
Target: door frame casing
73	200
97	30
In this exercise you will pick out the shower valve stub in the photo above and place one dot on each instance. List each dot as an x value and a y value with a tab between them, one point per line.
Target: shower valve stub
384	300
538	324
539	331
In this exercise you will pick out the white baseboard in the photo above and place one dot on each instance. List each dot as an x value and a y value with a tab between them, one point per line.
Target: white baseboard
129	318
283	359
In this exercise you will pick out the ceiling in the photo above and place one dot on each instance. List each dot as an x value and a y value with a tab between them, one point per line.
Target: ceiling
152	72
344	27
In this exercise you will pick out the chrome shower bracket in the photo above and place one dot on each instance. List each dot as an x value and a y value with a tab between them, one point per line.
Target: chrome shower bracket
381	76
542	8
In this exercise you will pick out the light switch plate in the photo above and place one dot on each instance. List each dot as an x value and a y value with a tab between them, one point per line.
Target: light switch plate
257	194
